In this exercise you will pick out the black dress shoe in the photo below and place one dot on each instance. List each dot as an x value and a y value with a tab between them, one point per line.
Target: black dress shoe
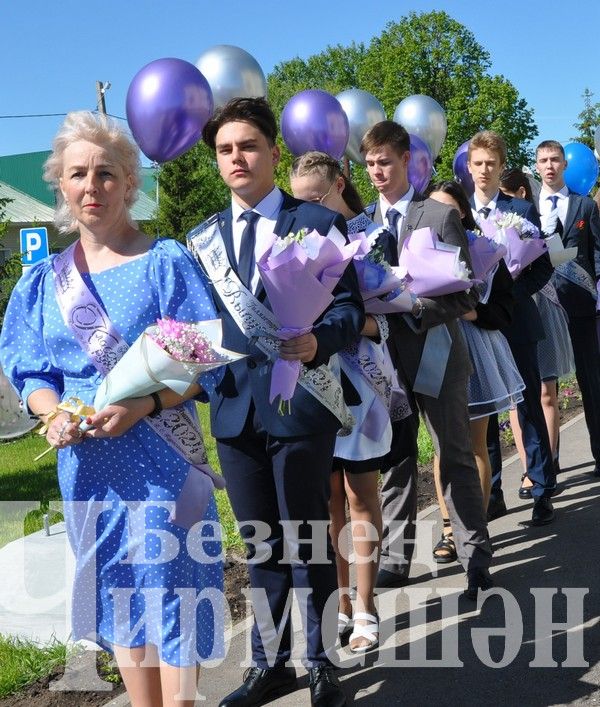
543	512
496	508
389	580
261	685
325	688
524	493
478	578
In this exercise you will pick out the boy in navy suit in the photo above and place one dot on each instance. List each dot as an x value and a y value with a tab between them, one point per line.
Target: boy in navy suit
277	467
576	219
486	161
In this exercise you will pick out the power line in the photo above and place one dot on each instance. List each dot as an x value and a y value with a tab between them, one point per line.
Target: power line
55	115
36	115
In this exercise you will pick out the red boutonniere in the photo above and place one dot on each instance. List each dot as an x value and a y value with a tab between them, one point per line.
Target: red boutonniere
580	224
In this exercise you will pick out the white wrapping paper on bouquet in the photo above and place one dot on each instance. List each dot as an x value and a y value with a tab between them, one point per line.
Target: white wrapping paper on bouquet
146	367
557	251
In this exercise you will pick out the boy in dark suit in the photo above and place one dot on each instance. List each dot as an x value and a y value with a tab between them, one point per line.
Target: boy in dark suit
277	467
486	161
575	217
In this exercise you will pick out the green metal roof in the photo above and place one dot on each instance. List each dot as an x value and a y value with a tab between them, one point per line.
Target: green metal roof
24	209
24	172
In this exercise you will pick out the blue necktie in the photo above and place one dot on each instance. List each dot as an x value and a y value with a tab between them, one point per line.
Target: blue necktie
485	211
391	251
554	201
246	260
392	216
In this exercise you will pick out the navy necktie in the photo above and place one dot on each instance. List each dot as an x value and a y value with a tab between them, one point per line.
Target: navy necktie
485	211
553	199
392	216
246	260
391	252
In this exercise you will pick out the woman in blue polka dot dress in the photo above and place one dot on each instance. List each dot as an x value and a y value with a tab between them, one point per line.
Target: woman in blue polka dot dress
144	587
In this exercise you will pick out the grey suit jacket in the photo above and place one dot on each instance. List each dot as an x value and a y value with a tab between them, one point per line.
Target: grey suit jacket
406	344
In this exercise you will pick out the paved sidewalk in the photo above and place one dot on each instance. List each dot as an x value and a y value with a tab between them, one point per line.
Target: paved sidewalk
431	617
429	620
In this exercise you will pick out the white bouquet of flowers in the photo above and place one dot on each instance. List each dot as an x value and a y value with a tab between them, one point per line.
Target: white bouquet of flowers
169	354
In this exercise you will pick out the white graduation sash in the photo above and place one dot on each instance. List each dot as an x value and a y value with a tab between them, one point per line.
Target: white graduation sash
101	341
258	323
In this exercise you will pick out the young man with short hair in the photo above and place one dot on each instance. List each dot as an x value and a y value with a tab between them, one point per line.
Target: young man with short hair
576	219
277	467
486	160
430	335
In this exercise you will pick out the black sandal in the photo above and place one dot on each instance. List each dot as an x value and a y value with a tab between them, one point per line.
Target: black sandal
445	551
524	491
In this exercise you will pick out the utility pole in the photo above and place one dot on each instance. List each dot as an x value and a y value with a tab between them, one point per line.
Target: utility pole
101	88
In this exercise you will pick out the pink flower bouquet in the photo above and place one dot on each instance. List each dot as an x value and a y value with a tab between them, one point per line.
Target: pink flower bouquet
519	236
169	354
382	289
431	267
299	273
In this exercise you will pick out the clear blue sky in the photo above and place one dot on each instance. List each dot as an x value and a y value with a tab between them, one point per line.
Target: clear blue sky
52	53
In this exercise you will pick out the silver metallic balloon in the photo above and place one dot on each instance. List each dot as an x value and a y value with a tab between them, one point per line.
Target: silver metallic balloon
425	117
231	72
363	111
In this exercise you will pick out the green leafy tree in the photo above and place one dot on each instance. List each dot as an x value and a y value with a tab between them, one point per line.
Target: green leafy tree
10	269
190	190
429	53
589	120
434	55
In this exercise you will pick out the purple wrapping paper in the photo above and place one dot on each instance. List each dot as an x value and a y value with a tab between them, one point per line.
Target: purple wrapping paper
299	280
391	293
521	252
431	267
485	253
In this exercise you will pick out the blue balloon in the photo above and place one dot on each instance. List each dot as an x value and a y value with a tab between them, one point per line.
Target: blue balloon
582	168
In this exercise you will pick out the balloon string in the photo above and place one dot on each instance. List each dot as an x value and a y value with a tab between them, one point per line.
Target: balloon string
156	176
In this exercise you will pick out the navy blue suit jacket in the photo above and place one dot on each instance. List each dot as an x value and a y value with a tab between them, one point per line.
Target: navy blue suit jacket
582	230
249	379
526	326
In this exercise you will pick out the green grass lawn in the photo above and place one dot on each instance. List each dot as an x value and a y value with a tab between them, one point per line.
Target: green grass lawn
34	485
23	479
23	662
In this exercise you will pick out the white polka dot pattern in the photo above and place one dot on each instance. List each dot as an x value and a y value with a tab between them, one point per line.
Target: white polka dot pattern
38	351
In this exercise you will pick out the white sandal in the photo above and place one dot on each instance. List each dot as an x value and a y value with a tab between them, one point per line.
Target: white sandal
370	631
344	624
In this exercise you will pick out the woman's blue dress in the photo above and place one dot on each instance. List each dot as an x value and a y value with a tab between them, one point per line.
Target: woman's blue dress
138	576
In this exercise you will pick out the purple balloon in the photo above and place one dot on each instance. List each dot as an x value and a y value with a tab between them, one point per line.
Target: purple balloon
168	103
420	165
315	120
460	169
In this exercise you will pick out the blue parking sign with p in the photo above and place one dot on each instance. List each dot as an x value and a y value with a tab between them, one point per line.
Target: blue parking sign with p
34	245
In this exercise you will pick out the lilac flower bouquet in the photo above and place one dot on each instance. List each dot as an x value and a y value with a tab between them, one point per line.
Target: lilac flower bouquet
433	268
382	289
520	237
299	273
